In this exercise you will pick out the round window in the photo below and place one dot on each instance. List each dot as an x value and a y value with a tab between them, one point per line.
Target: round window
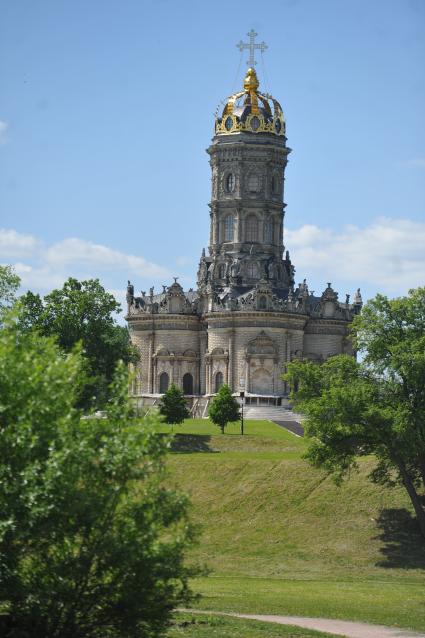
228	123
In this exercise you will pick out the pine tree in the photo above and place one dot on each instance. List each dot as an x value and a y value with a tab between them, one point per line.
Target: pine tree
173	406
224	408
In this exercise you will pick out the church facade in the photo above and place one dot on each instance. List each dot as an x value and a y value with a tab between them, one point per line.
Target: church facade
246	319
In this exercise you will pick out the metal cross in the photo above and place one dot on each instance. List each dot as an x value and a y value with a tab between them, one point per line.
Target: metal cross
251	45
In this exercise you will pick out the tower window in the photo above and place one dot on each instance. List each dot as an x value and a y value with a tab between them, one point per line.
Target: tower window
230	183
252	270
251	228
268	231
222	271
228	228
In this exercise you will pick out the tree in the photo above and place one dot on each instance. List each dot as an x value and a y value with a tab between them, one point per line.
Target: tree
173	406
92	543
224	408
83	312
376	406
9	284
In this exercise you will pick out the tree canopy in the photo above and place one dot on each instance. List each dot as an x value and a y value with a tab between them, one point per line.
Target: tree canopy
92	543
224	408
9	284
82	311
172	406
376	406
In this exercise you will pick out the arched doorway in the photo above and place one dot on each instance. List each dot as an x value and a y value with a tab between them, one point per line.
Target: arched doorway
218	381
187	383
261	382
163	382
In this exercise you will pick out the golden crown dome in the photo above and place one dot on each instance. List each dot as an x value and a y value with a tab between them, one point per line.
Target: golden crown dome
251	111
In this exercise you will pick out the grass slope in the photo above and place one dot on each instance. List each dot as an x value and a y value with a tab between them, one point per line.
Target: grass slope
280	537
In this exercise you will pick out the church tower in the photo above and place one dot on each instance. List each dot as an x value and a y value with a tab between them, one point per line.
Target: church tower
248	156
246	319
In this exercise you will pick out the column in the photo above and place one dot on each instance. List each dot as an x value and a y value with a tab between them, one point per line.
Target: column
247	376
150	362
202	364
230	364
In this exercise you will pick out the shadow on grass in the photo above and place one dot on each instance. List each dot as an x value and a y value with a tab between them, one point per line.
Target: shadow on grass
189	443
404	545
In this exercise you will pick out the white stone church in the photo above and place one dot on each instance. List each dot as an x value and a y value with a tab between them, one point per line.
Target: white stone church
247	318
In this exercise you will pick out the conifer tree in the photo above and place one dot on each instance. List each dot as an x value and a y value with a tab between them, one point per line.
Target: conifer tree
224	408
173	406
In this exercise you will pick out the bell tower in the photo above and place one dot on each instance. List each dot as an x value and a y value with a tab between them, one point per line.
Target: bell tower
248	156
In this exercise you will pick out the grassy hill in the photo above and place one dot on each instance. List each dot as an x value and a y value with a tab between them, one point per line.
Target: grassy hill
280	537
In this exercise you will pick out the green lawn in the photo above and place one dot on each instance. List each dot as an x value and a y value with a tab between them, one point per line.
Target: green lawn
280	537
197	626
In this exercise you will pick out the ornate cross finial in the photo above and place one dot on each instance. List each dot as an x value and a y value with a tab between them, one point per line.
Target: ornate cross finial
251	45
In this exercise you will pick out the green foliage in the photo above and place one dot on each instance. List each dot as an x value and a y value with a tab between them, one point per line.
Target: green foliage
83	312
92	543
173	406
377	406
224	408
9	284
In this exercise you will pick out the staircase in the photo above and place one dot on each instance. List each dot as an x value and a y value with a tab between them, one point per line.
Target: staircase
270	413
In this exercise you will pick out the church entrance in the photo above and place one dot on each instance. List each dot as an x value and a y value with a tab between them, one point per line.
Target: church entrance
261	382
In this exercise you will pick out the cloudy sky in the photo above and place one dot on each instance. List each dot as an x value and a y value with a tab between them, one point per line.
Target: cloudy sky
106	109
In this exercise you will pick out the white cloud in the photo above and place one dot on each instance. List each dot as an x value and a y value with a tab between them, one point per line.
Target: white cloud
388	254
42	267
14	245
85	253
3	131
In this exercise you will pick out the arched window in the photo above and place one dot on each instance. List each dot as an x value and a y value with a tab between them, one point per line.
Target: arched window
229	223
187	383
262	304
268	231
218	381
222	271
251	232
230	183
252	270
163	382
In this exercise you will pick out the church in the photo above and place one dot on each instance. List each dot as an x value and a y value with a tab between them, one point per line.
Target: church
247	318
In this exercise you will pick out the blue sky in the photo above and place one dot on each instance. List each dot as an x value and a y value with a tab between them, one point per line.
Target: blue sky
107	107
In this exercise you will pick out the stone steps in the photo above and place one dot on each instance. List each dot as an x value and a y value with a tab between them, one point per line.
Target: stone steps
270	413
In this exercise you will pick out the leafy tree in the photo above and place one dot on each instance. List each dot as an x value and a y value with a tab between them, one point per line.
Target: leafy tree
224	408
9	284
173	406
92	543
376	406
83	312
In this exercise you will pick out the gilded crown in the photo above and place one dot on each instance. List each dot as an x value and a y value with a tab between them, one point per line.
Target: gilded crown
251	111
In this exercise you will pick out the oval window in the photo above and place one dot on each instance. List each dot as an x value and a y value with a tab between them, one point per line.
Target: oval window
230	183
255	123
228	123
278	126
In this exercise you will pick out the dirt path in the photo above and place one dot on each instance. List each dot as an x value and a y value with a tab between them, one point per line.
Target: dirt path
346	628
